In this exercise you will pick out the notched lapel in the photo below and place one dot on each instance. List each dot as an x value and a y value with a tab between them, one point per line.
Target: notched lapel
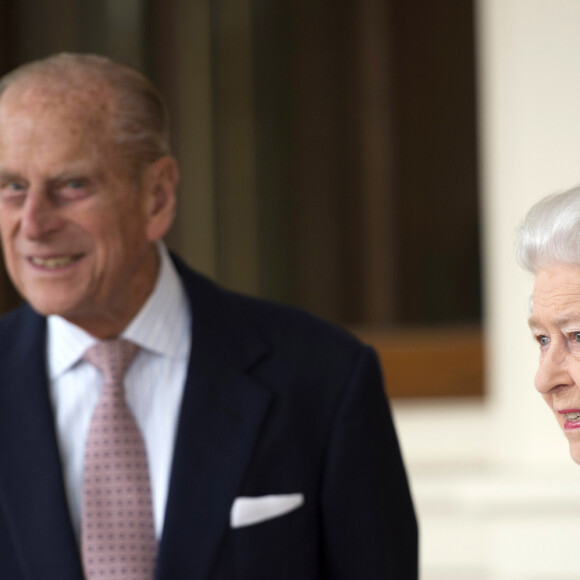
222	412
221	419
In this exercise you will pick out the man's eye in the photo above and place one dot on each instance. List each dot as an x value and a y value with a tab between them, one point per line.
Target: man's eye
543	340
72	189
13	186
576	336
12	190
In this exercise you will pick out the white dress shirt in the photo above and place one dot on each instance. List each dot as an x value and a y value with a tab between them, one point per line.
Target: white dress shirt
154	385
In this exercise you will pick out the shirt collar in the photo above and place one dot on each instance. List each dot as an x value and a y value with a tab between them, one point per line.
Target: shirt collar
164	321
162	326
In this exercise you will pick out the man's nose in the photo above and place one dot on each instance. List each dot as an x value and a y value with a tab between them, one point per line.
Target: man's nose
39	216
553	371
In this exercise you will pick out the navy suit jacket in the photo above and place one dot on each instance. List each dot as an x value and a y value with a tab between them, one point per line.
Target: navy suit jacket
276	402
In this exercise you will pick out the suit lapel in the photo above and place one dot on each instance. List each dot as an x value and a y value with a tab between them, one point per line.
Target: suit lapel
32	491
222	411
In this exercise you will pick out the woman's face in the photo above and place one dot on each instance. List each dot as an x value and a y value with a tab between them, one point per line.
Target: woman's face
555	325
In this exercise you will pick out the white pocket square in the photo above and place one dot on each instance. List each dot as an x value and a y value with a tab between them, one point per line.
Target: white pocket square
247	511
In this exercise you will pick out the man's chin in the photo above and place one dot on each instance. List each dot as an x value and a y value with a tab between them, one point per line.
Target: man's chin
51	307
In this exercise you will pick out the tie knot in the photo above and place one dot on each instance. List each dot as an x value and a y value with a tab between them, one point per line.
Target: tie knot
112	358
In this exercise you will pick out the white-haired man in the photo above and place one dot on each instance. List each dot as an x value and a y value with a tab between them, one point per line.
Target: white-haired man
269	447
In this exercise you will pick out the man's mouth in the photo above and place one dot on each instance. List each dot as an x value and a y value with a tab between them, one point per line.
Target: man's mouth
54	263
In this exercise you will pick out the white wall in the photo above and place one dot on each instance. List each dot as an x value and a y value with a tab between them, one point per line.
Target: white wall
497	495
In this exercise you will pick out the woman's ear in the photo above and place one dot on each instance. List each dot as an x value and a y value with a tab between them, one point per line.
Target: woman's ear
160	183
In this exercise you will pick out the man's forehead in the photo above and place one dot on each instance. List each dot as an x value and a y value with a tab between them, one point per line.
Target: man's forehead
38	130
39	95
55	125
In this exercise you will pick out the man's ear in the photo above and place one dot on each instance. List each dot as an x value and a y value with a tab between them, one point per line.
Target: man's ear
160	184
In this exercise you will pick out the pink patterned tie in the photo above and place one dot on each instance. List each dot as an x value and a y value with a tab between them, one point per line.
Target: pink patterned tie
118	536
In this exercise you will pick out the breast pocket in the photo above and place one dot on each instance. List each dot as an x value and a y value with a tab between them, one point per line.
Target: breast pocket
282	547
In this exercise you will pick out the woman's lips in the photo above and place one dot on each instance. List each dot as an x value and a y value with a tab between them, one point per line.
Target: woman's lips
572	418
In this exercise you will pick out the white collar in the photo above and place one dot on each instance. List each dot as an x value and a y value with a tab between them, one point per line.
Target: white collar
158	327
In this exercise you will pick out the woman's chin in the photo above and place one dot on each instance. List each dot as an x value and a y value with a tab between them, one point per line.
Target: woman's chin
575	451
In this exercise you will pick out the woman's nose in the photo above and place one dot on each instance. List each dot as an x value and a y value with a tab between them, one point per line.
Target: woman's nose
553	371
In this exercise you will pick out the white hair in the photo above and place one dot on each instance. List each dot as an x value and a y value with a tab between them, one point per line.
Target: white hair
550	232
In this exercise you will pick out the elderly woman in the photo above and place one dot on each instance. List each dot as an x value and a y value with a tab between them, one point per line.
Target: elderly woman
549	247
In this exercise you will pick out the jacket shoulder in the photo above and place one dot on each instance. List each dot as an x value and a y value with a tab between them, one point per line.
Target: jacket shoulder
273	320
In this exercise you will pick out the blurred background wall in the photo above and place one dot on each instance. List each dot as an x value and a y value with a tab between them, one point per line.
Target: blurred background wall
497	493
369	160
329	156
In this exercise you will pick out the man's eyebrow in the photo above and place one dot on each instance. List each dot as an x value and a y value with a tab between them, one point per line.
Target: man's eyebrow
6	174
79	169
69	174
74	172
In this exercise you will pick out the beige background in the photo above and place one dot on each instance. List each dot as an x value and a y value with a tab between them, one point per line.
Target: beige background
498	496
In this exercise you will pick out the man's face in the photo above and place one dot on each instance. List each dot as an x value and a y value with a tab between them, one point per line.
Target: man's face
555	324
75	227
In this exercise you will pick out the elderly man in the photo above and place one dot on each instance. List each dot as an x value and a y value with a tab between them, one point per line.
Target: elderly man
153	425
